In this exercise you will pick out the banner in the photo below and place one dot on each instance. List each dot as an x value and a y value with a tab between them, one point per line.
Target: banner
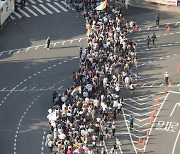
165	2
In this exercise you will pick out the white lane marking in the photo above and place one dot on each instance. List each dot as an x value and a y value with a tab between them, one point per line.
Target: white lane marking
71	41
63	42
53	8
3	89
33	88
178	84
129	132
23	12
171	33
33	2
19	16
152	126
65	10
178	32
24	88
48	1
165	34
60	87
45	8
177	104
38	10
175	142
161	84
31	11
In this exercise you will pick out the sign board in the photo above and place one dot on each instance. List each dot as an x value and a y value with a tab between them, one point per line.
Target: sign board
166	2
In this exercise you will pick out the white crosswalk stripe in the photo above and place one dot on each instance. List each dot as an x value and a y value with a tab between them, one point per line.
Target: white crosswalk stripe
40	1
35	7
60	6
45	8
53	8
67	5
24	13
12	17
31	11
33	2
18	15
48	1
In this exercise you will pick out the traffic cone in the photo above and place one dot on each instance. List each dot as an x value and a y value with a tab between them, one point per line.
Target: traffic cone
151	122
168	29
139	141
170	82
166	91
155	108
147	134
144	142
178	70
135	27
143	152
157	100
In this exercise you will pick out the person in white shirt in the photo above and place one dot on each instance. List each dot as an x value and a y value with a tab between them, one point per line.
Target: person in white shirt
166	78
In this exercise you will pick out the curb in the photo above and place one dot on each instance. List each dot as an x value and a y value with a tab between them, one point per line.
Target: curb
156	7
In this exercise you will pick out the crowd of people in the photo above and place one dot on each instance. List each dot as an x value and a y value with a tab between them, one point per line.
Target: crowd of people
86	112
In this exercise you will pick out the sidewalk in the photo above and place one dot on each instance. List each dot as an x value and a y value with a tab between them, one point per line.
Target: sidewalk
155	6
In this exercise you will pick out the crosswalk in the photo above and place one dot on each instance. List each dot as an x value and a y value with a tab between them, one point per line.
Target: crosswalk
41	8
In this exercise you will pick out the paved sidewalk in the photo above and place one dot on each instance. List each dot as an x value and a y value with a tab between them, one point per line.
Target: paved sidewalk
155	6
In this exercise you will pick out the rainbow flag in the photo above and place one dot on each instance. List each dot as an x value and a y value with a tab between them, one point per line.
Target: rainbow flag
76	91
102	6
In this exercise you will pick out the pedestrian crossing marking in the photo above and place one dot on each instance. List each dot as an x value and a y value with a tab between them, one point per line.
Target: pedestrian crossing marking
19	16
45	8
60	6
35	7
33	2
40	1
53	8
12	17
67	5
24	13
31	11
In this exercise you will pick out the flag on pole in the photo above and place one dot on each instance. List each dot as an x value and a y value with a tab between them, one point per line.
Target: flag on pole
102	6
76	91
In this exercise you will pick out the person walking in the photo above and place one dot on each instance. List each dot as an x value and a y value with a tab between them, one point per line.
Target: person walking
80	51
126	3
166	78
157	18
131	120
113	128
48	41
153	37
148	39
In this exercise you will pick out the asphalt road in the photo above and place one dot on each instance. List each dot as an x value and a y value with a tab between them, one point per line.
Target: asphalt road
30	75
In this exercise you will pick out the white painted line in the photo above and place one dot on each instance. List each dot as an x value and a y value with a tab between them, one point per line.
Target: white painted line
12	17
80	40
53	8
33	88
63	42
48	1
31	11
177	32
18	50
40	1
165	34
44	70
23	12
24	88
175	142
29	77
143	84
129	132
161	84
54	65
71	41
3	89
45	8
178	84
18	15
65	10
25	80
177	104
34	74
27	48
60	87
41	12
39	72
54	45
33	2
67	5
59	63
152	126
139	29
171	33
